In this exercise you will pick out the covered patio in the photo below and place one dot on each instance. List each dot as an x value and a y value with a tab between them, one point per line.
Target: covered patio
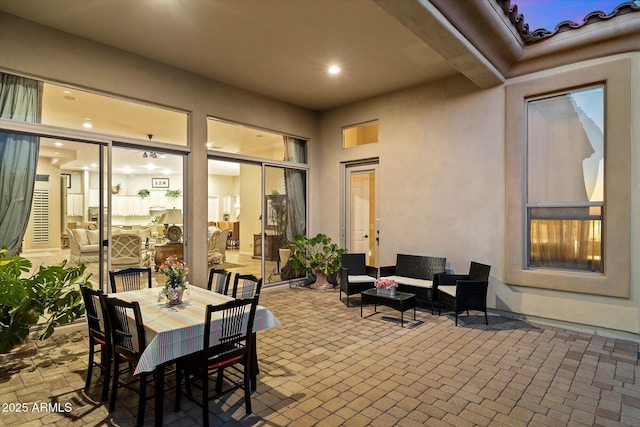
325	365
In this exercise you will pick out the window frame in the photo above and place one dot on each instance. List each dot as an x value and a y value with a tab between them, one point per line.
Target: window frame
530	206
615	74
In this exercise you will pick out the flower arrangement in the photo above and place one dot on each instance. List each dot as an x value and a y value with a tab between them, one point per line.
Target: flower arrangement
176	272
388	284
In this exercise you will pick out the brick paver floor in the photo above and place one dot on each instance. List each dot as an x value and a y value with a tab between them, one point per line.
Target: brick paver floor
327	366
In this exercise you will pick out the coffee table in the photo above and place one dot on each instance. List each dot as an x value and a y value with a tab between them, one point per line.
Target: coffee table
402	302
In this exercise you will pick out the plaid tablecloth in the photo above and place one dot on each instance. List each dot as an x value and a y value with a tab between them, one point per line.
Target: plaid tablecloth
173	331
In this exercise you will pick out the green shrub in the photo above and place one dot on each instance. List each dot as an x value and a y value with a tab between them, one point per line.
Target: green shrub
49	292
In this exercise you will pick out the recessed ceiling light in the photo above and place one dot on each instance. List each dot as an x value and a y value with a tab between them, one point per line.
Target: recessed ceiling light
87	125
334	69
58	144
209	144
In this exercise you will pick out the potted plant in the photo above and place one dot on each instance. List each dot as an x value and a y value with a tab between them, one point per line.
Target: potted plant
176	271
50	293
143	193
277	217
313	256
173	195
116	188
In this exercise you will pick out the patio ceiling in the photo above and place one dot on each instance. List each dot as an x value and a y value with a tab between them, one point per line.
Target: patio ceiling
281	49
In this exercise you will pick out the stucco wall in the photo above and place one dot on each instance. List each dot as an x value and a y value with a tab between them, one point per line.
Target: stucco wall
442	179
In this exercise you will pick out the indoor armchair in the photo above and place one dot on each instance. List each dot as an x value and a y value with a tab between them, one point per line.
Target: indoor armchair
126	250
217	246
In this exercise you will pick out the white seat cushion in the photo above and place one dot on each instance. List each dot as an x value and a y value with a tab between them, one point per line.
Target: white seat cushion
410	281
361	278
89	248
448	289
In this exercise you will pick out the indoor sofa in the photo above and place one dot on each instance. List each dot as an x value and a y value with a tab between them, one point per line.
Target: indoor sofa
414	274
84	245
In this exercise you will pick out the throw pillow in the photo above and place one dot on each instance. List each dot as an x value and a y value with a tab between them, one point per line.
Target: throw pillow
80	236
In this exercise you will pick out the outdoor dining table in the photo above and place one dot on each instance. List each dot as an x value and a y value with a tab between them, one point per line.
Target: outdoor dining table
173	331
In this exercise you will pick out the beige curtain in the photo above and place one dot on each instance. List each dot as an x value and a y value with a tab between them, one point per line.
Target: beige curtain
571	244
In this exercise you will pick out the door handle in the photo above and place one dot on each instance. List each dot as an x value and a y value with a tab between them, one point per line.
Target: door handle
366	236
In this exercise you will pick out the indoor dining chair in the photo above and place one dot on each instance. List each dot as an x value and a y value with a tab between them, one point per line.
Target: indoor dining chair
219	280
99	335
247	284
232	350
130	279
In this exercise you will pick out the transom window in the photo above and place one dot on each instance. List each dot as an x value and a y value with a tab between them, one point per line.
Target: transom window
361	134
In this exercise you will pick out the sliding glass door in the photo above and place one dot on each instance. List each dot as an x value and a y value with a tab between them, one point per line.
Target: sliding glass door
256	209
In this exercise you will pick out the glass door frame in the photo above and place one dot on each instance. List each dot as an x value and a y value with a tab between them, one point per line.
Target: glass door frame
54	132
264	164
106	143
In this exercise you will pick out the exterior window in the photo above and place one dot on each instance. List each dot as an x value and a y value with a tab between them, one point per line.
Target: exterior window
92	112
565	180
234	138
361	134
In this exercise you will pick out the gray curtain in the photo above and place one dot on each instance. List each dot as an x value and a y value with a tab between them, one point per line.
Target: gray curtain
296	185
19	100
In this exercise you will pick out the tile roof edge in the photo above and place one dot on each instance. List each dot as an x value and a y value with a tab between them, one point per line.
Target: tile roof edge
518	20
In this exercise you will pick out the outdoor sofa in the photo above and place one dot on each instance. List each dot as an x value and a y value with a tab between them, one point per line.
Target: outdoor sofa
414	274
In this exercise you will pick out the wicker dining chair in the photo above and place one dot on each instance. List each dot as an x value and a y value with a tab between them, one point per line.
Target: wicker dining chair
221	279
130	279
99	335
233	350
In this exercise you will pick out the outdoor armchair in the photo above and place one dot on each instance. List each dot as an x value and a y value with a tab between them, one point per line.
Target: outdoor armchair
463	292
354	275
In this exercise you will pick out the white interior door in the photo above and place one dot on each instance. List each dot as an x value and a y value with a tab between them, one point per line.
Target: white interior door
361	211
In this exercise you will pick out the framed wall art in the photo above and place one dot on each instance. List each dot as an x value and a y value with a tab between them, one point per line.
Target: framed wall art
159	182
